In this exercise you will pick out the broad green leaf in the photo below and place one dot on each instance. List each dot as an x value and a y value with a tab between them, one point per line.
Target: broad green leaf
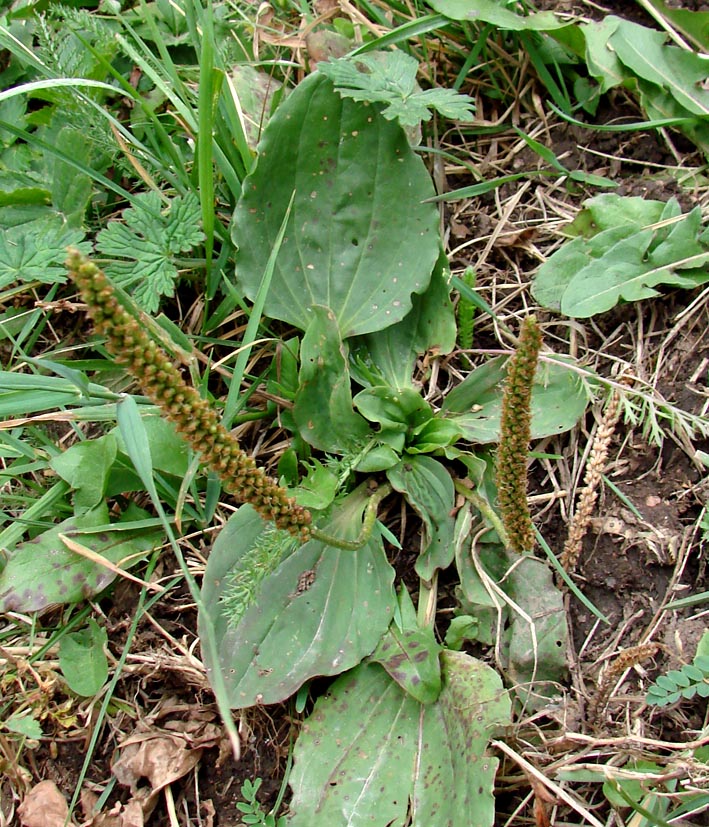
388	356
602	61
378	458
623	258
83	660
461	629
559	399
536	652
658	104
86	467
372	755
474	594
435	434
428	487
609	211
135	438
393	410
405	614
44	572
24	724
533	622
359	193
71	190
255	92
694	25
491	11
14	111
410	657
632	268
22	189
169	453
677	70
16	214
456	777
354	759
554	276
282	615
318	489
323	403
36	251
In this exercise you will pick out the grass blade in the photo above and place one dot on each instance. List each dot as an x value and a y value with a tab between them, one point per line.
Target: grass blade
573	588
232	403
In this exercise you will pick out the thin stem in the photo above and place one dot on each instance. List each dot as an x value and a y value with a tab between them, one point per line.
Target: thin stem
485	509
370	517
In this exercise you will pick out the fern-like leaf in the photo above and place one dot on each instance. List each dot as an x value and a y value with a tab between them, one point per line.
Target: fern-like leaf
244	582
678	684
390	78
146	242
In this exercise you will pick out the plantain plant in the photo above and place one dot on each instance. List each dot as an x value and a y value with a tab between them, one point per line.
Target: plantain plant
298	584
402	732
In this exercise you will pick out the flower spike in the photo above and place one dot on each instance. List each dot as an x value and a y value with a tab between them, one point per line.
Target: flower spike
515	434
192	416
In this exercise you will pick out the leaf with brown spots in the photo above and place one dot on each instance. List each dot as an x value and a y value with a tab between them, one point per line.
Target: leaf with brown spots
361	238
410	656
43	572
371	754
275	635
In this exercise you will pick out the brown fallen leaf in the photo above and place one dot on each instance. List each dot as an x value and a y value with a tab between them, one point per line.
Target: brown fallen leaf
160	756
43	806
163	755
518	239
133	814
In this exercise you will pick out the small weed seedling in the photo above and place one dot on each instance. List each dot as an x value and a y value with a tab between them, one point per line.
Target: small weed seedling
685	683
252	810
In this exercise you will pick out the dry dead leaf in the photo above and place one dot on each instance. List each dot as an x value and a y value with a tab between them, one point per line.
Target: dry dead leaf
160	756
107	818
208	811
44	806
324	44
134	815
326	8
164	755
516	239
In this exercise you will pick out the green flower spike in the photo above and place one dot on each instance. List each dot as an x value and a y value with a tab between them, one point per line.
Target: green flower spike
515	435
192	416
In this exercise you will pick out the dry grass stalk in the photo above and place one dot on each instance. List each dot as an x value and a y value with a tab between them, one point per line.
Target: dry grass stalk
588	495
626	659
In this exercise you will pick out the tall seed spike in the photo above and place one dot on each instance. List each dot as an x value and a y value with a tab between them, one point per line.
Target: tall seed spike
515	435
130	343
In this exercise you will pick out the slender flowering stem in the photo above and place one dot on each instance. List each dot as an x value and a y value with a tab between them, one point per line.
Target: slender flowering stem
515	434
192	416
